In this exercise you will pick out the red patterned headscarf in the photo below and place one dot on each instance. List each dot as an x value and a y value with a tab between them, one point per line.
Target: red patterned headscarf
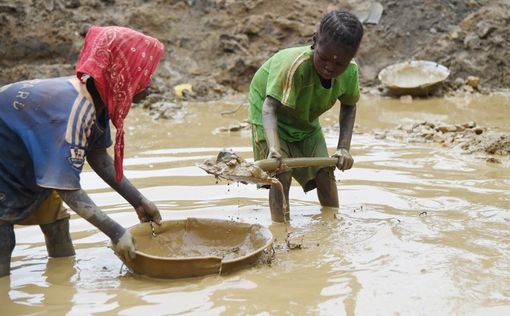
121	61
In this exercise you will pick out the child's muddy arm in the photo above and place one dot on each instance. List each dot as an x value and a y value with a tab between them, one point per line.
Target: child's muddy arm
102	163
346	118
269	121
80	202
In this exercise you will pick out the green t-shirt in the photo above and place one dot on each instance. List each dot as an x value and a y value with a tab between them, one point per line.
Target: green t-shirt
289	76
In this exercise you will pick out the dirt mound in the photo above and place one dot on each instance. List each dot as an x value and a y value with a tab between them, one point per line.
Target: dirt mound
217	45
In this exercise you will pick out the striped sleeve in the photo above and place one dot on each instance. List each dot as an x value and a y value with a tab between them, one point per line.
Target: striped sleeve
80	122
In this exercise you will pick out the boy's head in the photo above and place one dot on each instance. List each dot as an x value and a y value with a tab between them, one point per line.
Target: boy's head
335	43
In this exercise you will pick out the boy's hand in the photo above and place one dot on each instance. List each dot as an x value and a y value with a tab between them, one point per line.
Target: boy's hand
345	160
125	247
148	211
274	154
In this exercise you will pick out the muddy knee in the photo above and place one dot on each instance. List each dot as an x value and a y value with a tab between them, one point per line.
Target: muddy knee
7	243
58	239
327	191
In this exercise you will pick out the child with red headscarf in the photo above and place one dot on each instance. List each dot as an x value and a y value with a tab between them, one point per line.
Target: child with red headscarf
49	127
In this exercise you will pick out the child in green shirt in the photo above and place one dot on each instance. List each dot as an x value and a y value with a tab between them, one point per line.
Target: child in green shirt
288	94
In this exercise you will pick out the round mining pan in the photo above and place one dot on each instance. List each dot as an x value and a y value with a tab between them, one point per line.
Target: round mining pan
196	246
416	77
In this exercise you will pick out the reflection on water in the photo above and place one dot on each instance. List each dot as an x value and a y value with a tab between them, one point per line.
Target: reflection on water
422	230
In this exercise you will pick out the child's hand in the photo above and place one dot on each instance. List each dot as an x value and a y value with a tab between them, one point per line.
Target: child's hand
148	211
125	247
345	160
274	153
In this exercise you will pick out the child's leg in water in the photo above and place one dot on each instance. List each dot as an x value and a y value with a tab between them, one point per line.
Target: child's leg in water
7	243
58	239
53	220
280	209
326	187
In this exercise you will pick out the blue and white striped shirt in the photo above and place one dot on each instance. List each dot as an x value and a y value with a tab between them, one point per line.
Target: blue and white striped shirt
47	126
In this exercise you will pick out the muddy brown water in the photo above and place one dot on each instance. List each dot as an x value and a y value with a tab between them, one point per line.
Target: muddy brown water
421	230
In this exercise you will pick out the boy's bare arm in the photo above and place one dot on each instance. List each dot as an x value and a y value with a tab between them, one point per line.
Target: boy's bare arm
269	121
346	119
102	163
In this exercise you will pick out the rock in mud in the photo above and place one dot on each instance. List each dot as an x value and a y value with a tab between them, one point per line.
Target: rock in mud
468	136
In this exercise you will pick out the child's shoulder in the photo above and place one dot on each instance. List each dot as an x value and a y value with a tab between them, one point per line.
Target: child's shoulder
293	57
350	72
352	69
293	52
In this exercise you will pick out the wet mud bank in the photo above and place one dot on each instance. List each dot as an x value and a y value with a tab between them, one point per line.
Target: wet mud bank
217	45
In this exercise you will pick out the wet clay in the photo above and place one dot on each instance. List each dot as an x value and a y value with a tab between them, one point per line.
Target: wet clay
228	165
191	240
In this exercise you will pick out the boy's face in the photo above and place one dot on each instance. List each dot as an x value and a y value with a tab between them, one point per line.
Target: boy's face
330	59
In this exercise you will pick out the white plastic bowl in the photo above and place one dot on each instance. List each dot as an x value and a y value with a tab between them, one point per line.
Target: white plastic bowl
416	77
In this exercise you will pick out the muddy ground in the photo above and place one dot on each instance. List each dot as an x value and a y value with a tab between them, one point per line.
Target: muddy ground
217	45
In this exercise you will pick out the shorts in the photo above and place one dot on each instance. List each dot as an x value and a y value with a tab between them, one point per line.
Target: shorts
50	211
312	146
